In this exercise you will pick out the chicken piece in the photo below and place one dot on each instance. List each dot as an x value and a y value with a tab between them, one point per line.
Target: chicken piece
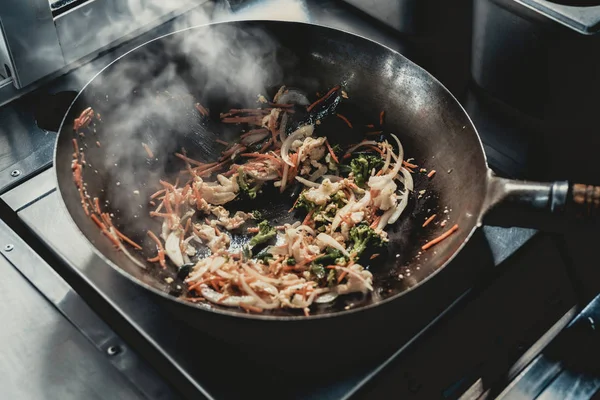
262	170
353	284
172	248
220	192
322	194
230	223
213	239
383	191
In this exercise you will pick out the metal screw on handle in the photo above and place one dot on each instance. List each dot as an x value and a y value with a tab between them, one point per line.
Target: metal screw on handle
9	247
15	173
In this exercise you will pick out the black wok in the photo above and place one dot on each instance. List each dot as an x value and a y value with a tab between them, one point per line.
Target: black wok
435	130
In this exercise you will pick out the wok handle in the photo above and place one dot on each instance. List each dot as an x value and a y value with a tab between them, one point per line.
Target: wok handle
546	206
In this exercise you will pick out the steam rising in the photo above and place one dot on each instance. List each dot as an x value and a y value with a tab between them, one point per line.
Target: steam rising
148	97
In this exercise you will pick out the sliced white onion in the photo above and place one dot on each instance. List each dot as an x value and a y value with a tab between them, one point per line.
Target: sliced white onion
332	178
408	180
307	182
286	169
326	298
318	173
302	132
293	97
278	94
307	229
363	143
337	220
388	157
259	301
331	242
221	299
383	221
400	207
217	263
258	275
126	252
172	249
400	157
282	127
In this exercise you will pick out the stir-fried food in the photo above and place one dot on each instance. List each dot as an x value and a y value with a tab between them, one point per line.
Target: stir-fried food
347	200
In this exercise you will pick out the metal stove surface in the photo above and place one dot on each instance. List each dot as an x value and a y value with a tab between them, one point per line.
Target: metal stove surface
485	318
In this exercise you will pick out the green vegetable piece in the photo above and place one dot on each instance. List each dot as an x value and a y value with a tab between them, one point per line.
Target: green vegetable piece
363	236
363	165
265	233
244	183
291	261
317	270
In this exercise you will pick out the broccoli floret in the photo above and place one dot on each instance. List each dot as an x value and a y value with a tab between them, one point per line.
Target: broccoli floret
245	185
256	214
331	278
265	232
291	261
331	257
363	165
264	256
304	203
363	236
318	271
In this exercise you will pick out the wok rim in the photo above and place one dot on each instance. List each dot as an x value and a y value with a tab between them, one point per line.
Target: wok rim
263	317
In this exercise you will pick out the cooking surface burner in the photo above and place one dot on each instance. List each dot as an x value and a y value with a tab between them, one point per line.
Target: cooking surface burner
485	315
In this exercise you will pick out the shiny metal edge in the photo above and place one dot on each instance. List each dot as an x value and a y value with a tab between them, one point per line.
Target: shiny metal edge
534	363
81	316
20	171
29	192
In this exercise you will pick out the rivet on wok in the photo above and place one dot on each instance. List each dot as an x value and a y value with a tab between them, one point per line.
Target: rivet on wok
113	350
15	173
9	247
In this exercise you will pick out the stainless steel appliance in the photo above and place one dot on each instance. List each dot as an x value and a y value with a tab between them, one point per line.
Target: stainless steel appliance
515	293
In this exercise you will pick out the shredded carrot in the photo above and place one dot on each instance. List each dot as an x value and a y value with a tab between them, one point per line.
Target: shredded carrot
97	205
381	115
313	105
192	161
370	126
409	165
375	222
210	170
374	256
340	116
201	109
253	131
307	218
125	238
342	276
377	149
429	220
111	238
250	308
431	173
158	214
76	148
148	150
440	238
155	195
374	133
254	120
253	230
266	146
261	155
156	240
97	221
333	156
224	143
